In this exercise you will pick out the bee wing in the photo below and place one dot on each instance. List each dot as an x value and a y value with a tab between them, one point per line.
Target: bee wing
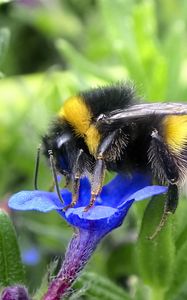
145	110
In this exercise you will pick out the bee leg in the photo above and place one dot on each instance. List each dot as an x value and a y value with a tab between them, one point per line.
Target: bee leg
99	169
172	200
164	160
53	168
97	182
76	181
37	164
67	180
169	208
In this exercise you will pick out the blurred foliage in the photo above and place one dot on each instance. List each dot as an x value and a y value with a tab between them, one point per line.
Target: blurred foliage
49	50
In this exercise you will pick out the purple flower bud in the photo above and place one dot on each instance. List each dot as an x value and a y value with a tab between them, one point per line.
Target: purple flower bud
16	292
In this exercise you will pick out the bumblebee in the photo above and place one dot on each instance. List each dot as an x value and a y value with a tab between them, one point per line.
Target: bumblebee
108	128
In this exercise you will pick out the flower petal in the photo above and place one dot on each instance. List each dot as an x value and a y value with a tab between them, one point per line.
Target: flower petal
35	200
147	192
122	186
103	218
110	207
95	213
84	192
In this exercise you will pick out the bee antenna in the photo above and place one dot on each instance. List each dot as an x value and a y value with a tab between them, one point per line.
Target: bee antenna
37	164
51	158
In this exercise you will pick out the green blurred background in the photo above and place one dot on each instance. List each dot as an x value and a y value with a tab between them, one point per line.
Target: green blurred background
50	50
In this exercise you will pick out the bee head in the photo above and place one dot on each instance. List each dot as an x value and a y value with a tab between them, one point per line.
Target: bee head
65	146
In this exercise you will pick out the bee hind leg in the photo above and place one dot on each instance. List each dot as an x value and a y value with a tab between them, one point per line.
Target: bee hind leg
162	159
169	208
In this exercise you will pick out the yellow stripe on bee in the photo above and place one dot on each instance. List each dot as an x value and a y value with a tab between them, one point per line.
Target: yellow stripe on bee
79	116
92	139
176	132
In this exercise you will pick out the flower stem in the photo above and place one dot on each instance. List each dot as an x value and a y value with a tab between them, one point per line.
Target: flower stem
80	248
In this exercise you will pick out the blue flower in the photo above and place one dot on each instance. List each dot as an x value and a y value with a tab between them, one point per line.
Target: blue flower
109	210
31	256
108	213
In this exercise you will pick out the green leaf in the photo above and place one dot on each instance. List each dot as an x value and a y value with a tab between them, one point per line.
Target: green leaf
122	253
156	257
98	287
11	268
4	42
181	224
179	272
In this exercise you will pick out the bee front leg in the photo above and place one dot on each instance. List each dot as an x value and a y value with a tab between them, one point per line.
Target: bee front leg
99	169
163	161
97	182
75	181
